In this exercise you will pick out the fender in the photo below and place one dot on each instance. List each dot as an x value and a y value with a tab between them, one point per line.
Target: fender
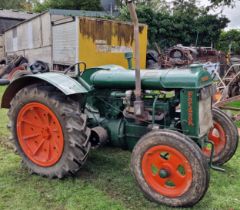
62	82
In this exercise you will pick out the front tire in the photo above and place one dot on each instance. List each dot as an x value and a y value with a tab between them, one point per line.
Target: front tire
49	131
224	135
170	168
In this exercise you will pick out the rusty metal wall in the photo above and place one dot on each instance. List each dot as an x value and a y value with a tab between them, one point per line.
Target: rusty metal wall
31	39
104	42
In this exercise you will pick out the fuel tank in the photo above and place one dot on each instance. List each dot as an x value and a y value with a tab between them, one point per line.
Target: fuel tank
194	77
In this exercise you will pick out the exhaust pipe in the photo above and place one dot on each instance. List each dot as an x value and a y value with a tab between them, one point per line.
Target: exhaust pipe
138	103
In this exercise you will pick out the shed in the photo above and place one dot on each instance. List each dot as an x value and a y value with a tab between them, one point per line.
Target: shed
9	18
65	37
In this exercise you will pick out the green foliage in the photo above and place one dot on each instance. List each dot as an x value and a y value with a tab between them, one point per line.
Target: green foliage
217	3
93	5
182	25
15	4
230	39
3	117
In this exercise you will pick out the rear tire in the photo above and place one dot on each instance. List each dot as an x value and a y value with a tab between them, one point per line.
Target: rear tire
156	161
49	131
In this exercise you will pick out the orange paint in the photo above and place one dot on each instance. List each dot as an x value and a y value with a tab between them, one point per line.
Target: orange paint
40	134
180	183
190	109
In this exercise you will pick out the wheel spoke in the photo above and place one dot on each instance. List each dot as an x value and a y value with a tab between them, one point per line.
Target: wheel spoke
48	156
38	147
39	115
214	139
174	161
178	179
155	159
31	136
32	124
160	181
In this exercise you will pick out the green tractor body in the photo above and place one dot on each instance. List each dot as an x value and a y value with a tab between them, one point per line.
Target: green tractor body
109	96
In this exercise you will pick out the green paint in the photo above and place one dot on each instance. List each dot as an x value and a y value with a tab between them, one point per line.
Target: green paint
190	112
152	79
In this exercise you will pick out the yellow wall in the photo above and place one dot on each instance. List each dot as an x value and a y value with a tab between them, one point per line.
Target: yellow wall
99	38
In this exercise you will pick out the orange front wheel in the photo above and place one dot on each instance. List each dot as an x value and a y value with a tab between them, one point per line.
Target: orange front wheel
170	168
224	135
167	170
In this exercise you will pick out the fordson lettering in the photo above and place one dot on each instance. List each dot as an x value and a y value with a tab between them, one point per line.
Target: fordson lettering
190	110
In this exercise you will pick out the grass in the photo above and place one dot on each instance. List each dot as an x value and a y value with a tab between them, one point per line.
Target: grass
3	118
104	182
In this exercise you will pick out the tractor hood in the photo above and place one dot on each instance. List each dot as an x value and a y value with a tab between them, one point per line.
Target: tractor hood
195	77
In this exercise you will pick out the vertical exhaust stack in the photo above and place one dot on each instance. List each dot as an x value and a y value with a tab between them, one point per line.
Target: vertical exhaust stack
138	103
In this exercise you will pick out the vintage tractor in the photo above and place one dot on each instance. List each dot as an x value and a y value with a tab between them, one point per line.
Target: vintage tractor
165	117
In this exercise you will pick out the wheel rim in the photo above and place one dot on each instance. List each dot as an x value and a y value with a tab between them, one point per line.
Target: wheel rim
40	134
167	171
218	137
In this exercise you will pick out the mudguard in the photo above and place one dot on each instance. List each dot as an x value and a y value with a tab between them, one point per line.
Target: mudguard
64	83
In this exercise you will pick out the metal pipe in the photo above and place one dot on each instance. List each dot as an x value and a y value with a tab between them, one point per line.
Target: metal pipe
138	103
134	18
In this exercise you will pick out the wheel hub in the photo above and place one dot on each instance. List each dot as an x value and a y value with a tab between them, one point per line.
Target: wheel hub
46	134
163	173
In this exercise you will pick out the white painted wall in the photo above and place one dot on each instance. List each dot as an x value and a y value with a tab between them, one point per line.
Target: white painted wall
64	43
1	46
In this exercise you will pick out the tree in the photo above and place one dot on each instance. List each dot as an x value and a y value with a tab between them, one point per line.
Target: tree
217	3
230	39
93	5
181	26
15	4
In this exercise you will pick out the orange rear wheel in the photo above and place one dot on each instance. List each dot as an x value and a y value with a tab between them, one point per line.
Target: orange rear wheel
167	171
40	134
49	131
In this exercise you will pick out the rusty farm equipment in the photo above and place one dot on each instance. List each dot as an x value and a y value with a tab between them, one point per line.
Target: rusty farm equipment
228	91
181	56
56	119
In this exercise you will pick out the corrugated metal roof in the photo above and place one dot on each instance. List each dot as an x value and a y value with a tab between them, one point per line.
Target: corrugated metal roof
81	13
11	14
108	5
